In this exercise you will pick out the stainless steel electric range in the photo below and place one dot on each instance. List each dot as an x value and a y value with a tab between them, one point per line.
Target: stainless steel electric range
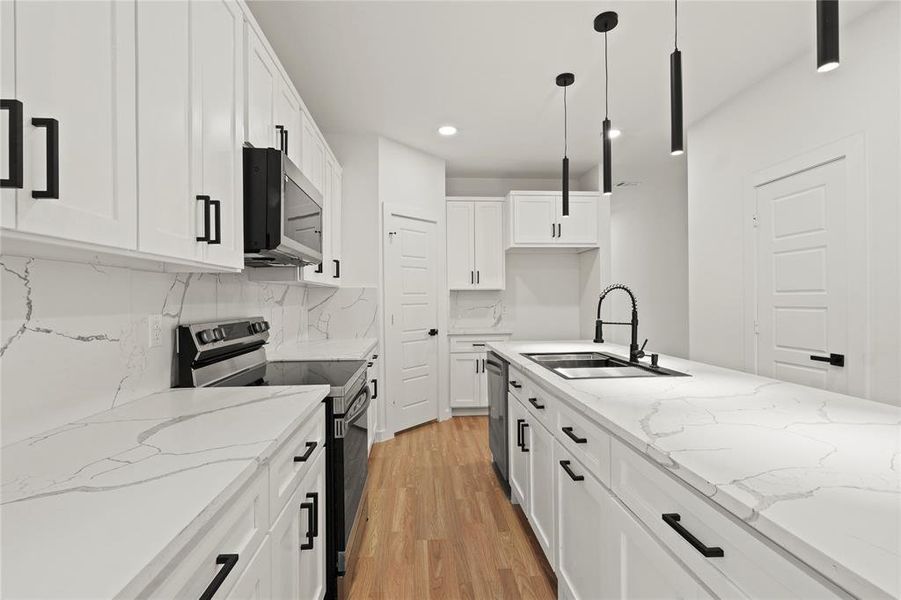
232	354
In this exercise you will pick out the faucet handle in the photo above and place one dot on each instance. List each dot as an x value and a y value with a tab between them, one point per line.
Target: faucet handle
640	354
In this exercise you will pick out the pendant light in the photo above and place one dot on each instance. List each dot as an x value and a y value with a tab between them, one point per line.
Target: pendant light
827	35
565	80
675	89
604	23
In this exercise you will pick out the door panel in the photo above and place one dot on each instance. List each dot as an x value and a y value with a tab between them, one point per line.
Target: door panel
287	114
261	77
802	276
520	443
460	246
7	90
465	391
75	62
482	381
581	226
542	471
411	277
489	245
533	218
313	560
256	579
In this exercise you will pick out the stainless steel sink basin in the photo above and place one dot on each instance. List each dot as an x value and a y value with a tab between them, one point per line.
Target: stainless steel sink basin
597	365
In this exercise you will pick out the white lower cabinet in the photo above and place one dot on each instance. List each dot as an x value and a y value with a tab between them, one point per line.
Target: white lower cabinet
255	582
542	472
466	380
519	454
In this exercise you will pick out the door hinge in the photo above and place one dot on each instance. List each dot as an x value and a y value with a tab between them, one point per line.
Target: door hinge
756	327
755	220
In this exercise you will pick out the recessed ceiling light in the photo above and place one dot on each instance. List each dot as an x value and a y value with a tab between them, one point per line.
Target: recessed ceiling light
614	133
447	130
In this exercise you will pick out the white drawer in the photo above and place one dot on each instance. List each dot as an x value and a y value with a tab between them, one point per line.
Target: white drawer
238	529
588	442
749	567
541	404
284	471
516	382
475	343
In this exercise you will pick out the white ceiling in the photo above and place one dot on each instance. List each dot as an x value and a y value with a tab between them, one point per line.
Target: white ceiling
401	69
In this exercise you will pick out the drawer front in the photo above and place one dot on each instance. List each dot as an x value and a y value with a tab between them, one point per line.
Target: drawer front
747	567
516	382
542	405
588	442
292	460
473	343
238	529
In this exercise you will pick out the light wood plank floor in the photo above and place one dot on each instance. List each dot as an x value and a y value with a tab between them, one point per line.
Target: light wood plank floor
439	525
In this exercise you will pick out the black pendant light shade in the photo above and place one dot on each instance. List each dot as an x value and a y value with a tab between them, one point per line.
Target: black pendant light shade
565	80
675	89
827	35
603	23
608	170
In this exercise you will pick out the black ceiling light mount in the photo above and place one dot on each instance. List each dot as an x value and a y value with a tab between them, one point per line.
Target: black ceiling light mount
827	35
604	23
677	145
565	80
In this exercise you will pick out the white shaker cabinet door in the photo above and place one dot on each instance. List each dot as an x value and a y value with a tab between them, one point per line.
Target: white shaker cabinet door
8	120
287	116
534	219
335	201
261	75
464	379
519	444
460	246
312	152
255	581
312	550
489	245
75	66
542	473
581	226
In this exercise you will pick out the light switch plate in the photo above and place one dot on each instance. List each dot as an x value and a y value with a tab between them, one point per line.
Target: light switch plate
155	331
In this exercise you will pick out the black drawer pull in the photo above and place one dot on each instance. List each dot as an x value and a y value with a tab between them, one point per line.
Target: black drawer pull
16	146
523	447
306	455
228	561
375	389
672	519
836	360
516	384
337	274
534	402
569	432
52	126
206	219
519	423
217	222
310	508
573	476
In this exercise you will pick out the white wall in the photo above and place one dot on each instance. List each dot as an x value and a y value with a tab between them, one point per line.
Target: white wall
791	112
490	186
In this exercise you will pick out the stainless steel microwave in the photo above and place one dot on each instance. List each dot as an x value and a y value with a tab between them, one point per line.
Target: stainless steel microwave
282	212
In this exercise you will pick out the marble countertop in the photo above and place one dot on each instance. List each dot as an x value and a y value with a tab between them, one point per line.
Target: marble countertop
818	473
346	349
99	507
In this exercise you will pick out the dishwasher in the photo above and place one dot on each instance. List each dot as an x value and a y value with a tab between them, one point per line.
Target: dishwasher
496	368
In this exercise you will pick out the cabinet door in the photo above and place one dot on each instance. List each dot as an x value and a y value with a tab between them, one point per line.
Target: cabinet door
542	471
520	444
639	566
7	91
255	580
312	560
262	75
460	246
581	519
287	114
482	383
75	62
489	245
534	219
312	152
581	226
335	201
464	379
322	273
285	538
167	207
216	30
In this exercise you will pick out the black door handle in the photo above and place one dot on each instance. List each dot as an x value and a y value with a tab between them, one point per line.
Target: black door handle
433	332
306	455
569	432
217	224
337	268
16	146
206	219
573	476
52	126
534	402
836	360
672	519
228	561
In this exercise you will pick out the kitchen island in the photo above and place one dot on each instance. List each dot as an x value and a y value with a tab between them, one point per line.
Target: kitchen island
816	473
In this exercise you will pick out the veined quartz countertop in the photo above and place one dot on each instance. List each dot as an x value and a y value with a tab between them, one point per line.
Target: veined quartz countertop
818	473
347	349
99	507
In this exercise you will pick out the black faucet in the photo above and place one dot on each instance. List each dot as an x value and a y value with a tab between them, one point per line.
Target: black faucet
635	353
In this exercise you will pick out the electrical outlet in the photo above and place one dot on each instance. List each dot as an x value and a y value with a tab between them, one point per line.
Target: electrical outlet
155	331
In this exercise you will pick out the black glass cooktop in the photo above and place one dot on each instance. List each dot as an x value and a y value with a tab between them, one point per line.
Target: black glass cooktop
340	374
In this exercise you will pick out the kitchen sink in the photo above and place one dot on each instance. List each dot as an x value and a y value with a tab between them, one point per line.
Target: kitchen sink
597	365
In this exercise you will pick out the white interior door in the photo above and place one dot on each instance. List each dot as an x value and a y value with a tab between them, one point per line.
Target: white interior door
488	224
802	291
411	291
460	247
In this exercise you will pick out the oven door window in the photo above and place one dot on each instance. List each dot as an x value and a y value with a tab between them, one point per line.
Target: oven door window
303	217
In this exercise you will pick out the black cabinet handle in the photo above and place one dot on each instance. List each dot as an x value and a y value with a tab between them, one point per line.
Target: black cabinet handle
523	446
534	402
477	344
519	423
672	519
375	389
217	224
306	455
308	506
314	497
433	332
16	146
516	384
559	230
553	230
836	360
484	365
285	140
52	126
477	366
337	268
569	432
478	276
319	268
375	356
206	219
569	471
281	137
472	277
228	561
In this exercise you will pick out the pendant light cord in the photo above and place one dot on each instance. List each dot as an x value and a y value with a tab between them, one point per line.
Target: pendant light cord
676	24
606	80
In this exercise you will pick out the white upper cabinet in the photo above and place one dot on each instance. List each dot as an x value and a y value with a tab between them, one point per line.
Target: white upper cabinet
312	152
288	120
536	220
475	246
261	75
74	70
335	201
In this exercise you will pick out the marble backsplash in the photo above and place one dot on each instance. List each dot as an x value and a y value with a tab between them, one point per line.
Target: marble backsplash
479	309
75	336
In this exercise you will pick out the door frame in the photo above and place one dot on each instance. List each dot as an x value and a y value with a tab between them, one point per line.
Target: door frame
852	150
389	415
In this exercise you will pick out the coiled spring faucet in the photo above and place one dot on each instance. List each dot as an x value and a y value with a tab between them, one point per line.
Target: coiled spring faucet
635	353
